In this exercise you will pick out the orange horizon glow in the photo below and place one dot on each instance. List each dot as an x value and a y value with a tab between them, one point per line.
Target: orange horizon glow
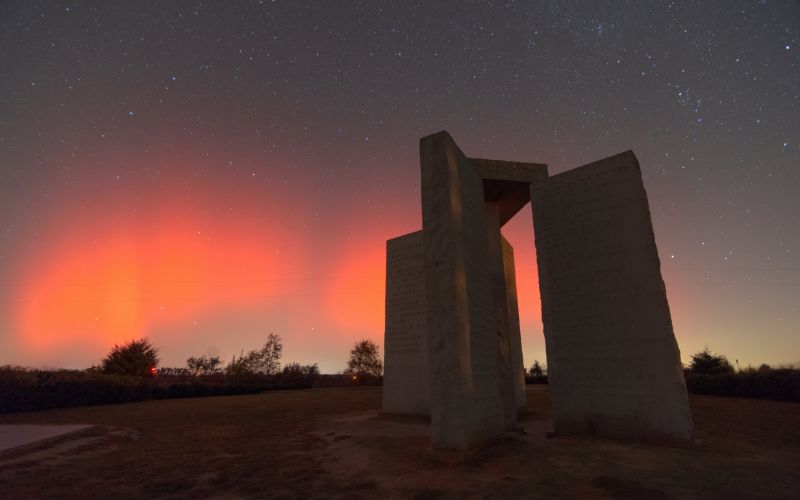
128	276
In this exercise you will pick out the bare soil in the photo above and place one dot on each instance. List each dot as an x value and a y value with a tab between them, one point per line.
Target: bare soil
333	443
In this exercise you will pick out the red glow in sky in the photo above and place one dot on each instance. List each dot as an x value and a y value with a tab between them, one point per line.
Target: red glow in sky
242	166
120	277
192	277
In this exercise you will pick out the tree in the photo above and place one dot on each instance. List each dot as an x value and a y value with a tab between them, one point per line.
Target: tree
536	370
365	360
137	358
706	362
238	367
203	365
265	361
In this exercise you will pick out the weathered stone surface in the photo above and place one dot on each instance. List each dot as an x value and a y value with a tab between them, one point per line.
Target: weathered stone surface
465	400
406	387
514	337
613	363
451	303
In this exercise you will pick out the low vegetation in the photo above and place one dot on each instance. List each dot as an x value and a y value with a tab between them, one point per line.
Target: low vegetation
712	374
130	373
23	389
537	374
137	358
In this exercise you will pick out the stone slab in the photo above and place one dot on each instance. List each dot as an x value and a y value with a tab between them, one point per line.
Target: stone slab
613	362
406	386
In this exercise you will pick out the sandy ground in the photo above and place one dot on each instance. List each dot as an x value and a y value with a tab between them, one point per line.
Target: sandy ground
12	436
334	443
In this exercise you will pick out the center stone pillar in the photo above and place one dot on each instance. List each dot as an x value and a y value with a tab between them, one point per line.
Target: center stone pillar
505	366
466	403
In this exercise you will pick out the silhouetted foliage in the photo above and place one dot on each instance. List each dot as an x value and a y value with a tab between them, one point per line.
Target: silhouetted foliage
24	389
28	390
173	372
706	362
204	365
295	372
238	367
342	380
365	360
138	358
536	375
265	361
764	383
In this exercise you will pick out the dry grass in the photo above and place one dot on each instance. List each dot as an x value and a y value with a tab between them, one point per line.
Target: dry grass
331	443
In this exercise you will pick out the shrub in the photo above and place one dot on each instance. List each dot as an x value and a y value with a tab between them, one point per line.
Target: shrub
138	358
297	373
203	365
536	375
24	389
707	363
781	384
29	390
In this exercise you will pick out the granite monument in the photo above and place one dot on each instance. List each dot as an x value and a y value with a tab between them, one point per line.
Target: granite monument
452	339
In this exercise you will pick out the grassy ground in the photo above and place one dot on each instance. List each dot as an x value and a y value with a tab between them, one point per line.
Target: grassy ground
331	443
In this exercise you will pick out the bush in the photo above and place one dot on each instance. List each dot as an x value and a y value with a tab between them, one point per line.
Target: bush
24	389
294	373
137	358
29	390
781	384
706	362
536	375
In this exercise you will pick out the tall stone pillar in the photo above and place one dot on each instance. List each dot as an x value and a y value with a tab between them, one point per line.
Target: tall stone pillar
514	334
613	363
466	405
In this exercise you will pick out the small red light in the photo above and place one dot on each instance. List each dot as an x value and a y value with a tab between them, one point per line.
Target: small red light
153	370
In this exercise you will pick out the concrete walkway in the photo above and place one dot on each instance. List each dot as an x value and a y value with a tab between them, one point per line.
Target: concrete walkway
12	436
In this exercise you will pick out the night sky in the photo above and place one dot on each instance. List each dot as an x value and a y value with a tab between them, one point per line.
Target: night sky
204	174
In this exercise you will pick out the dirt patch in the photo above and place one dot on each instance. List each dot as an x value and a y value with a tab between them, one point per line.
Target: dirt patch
41	455
334	443
392	455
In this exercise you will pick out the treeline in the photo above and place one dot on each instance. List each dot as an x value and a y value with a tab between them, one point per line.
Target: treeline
23	389
713	374
130	373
